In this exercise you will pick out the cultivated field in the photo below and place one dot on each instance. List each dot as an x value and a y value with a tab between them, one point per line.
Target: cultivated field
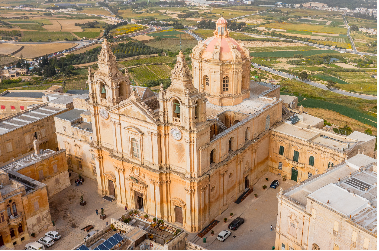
36	36
340	120
6	49
38	50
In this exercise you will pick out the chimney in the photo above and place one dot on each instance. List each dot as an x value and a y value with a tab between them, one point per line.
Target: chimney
36	147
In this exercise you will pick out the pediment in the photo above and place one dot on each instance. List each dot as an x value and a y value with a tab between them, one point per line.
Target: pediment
134	109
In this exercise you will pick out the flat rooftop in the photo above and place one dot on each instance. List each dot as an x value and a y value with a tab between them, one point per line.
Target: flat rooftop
63	98
317	136
347	189
23	95
30	116
71	115
28	160
251	105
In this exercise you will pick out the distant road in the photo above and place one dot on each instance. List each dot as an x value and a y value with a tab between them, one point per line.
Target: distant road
318	85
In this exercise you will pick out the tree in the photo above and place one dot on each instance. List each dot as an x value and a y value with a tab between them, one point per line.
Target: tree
331	84
303	75
354	28
368	131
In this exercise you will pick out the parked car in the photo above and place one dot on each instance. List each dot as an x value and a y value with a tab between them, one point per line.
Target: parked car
274	184
47	241
34	246
53	235
223	235
236	223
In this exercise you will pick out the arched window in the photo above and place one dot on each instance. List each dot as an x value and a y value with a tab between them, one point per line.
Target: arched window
20	229
9	211
267	122
12	233
206	80
103	91
231	144
225	84
197	110
212	156
176	110
14	209
135	148
247	134
311	161
121	90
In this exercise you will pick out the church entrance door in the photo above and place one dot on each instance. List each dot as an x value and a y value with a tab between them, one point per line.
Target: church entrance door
247	185
178	214
1	241
111	188
139	200
294	174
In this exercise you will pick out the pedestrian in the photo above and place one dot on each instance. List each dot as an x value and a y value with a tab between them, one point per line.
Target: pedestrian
97	212
126	209
271	227
106	223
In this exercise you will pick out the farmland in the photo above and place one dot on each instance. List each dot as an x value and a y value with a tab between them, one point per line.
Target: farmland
126	29
36	36
37	50
290	54
142	74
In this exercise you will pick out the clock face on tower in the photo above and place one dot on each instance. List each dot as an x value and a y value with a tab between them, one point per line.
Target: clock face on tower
104	113
176	133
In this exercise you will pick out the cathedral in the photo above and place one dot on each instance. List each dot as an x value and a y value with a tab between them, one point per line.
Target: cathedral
186	153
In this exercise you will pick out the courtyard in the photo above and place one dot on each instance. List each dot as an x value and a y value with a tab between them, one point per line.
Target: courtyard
259	214
69	217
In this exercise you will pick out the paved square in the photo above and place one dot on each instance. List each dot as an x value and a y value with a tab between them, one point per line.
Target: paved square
70	217
259	213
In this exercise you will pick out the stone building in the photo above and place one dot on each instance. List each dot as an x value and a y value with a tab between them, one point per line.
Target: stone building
24	208
176	155
18	132
185	154
46	166
13	102
299	151
334	210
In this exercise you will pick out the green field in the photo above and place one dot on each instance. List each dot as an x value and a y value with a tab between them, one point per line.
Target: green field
150	60
87	34
166	34
326	78
290	54
349	112
36	36
145	73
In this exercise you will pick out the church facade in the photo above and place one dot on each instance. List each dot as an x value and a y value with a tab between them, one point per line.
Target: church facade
185	154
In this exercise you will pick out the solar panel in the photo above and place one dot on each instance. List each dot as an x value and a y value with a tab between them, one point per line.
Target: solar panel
96	248
118	237
113	240
108	244
82	247
102	247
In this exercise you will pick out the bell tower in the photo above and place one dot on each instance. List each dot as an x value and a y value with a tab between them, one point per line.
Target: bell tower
183	105
107	85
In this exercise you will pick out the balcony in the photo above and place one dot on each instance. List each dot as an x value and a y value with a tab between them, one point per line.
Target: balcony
15	220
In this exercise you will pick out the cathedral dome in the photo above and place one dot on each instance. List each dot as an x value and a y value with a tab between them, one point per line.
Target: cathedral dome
221	46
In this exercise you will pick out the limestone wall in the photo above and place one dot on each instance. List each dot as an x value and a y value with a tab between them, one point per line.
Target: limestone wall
57	183
20	141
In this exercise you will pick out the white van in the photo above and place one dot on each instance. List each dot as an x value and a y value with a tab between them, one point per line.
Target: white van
34	246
